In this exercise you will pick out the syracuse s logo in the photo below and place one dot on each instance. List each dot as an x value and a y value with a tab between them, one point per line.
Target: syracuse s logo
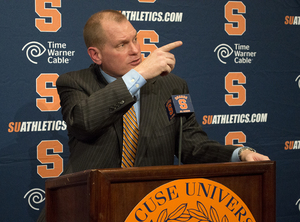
45	14
236	25
182	104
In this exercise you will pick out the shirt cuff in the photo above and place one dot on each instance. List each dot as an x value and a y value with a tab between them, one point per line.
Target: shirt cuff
134	81
235	155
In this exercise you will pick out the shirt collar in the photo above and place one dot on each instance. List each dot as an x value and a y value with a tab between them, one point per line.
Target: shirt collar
107	77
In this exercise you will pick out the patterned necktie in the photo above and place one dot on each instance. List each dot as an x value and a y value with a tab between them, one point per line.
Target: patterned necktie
130	138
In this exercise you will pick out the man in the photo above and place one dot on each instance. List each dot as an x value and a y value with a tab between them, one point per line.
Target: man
94	101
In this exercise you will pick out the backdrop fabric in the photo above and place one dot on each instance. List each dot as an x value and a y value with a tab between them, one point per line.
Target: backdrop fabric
241	60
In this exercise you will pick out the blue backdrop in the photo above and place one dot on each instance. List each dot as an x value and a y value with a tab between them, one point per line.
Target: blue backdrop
240	58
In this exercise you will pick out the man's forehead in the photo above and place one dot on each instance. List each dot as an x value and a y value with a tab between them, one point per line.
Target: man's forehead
120	30
114	25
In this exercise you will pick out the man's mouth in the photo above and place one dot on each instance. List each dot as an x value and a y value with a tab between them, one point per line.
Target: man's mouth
135	62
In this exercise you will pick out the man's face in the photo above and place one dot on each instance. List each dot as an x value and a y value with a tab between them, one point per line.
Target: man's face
121	51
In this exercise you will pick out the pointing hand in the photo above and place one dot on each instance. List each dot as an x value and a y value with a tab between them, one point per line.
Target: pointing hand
159	62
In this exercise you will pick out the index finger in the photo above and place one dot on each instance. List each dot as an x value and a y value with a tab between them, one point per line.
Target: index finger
170	46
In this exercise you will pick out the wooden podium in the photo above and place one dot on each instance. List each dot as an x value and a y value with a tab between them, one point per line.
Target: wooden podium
109	195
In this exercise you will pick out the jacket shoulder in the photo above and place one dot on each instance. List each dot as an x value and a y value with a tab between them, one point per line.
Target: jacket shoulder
91	74
92	70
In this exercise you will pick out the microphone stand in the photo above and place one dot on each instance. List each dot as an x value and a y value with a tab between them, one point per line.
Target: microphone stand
180	141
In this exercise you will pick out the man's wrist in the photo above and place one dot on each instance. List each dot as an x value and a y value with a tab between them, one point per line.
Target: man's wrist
243	149
133	80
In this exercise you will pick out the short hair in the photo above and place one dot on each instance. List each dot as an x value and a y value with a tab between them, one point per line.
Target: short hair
93	32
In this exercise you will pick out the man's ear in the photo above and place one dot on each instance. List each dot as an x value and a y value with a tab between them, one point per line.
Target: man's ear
95	55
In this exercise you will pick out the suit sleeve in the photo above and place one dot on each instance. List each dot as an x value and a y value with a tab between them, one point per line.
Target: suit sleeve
87	108
198	148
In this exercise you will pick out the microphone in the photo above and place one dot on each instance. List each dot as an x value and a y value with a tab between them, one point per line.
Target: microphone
179	104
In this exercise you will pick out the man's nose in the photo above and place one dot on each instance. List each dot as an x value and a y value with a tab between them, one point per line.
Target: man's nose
134	48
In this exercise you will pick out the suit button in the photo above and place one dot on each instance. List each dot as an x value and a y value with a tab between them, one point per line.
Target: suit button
113	108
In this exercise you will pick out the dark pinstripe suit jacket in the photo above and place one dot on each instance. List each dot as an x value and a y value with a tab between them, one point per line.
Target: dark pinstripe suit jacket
93	112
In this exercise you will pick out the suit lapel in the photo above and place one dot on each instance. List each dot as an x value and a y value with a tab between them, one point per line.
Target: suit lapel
118	125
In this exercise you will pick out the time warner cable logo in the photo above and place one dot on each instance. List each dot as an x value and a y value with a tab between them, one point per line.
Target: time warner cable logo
57	52
298	204
223	51
242	53
34	50
298	80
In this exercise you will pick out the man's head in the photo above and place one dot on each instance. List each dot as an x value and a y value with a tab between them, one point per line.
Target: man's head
112	42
